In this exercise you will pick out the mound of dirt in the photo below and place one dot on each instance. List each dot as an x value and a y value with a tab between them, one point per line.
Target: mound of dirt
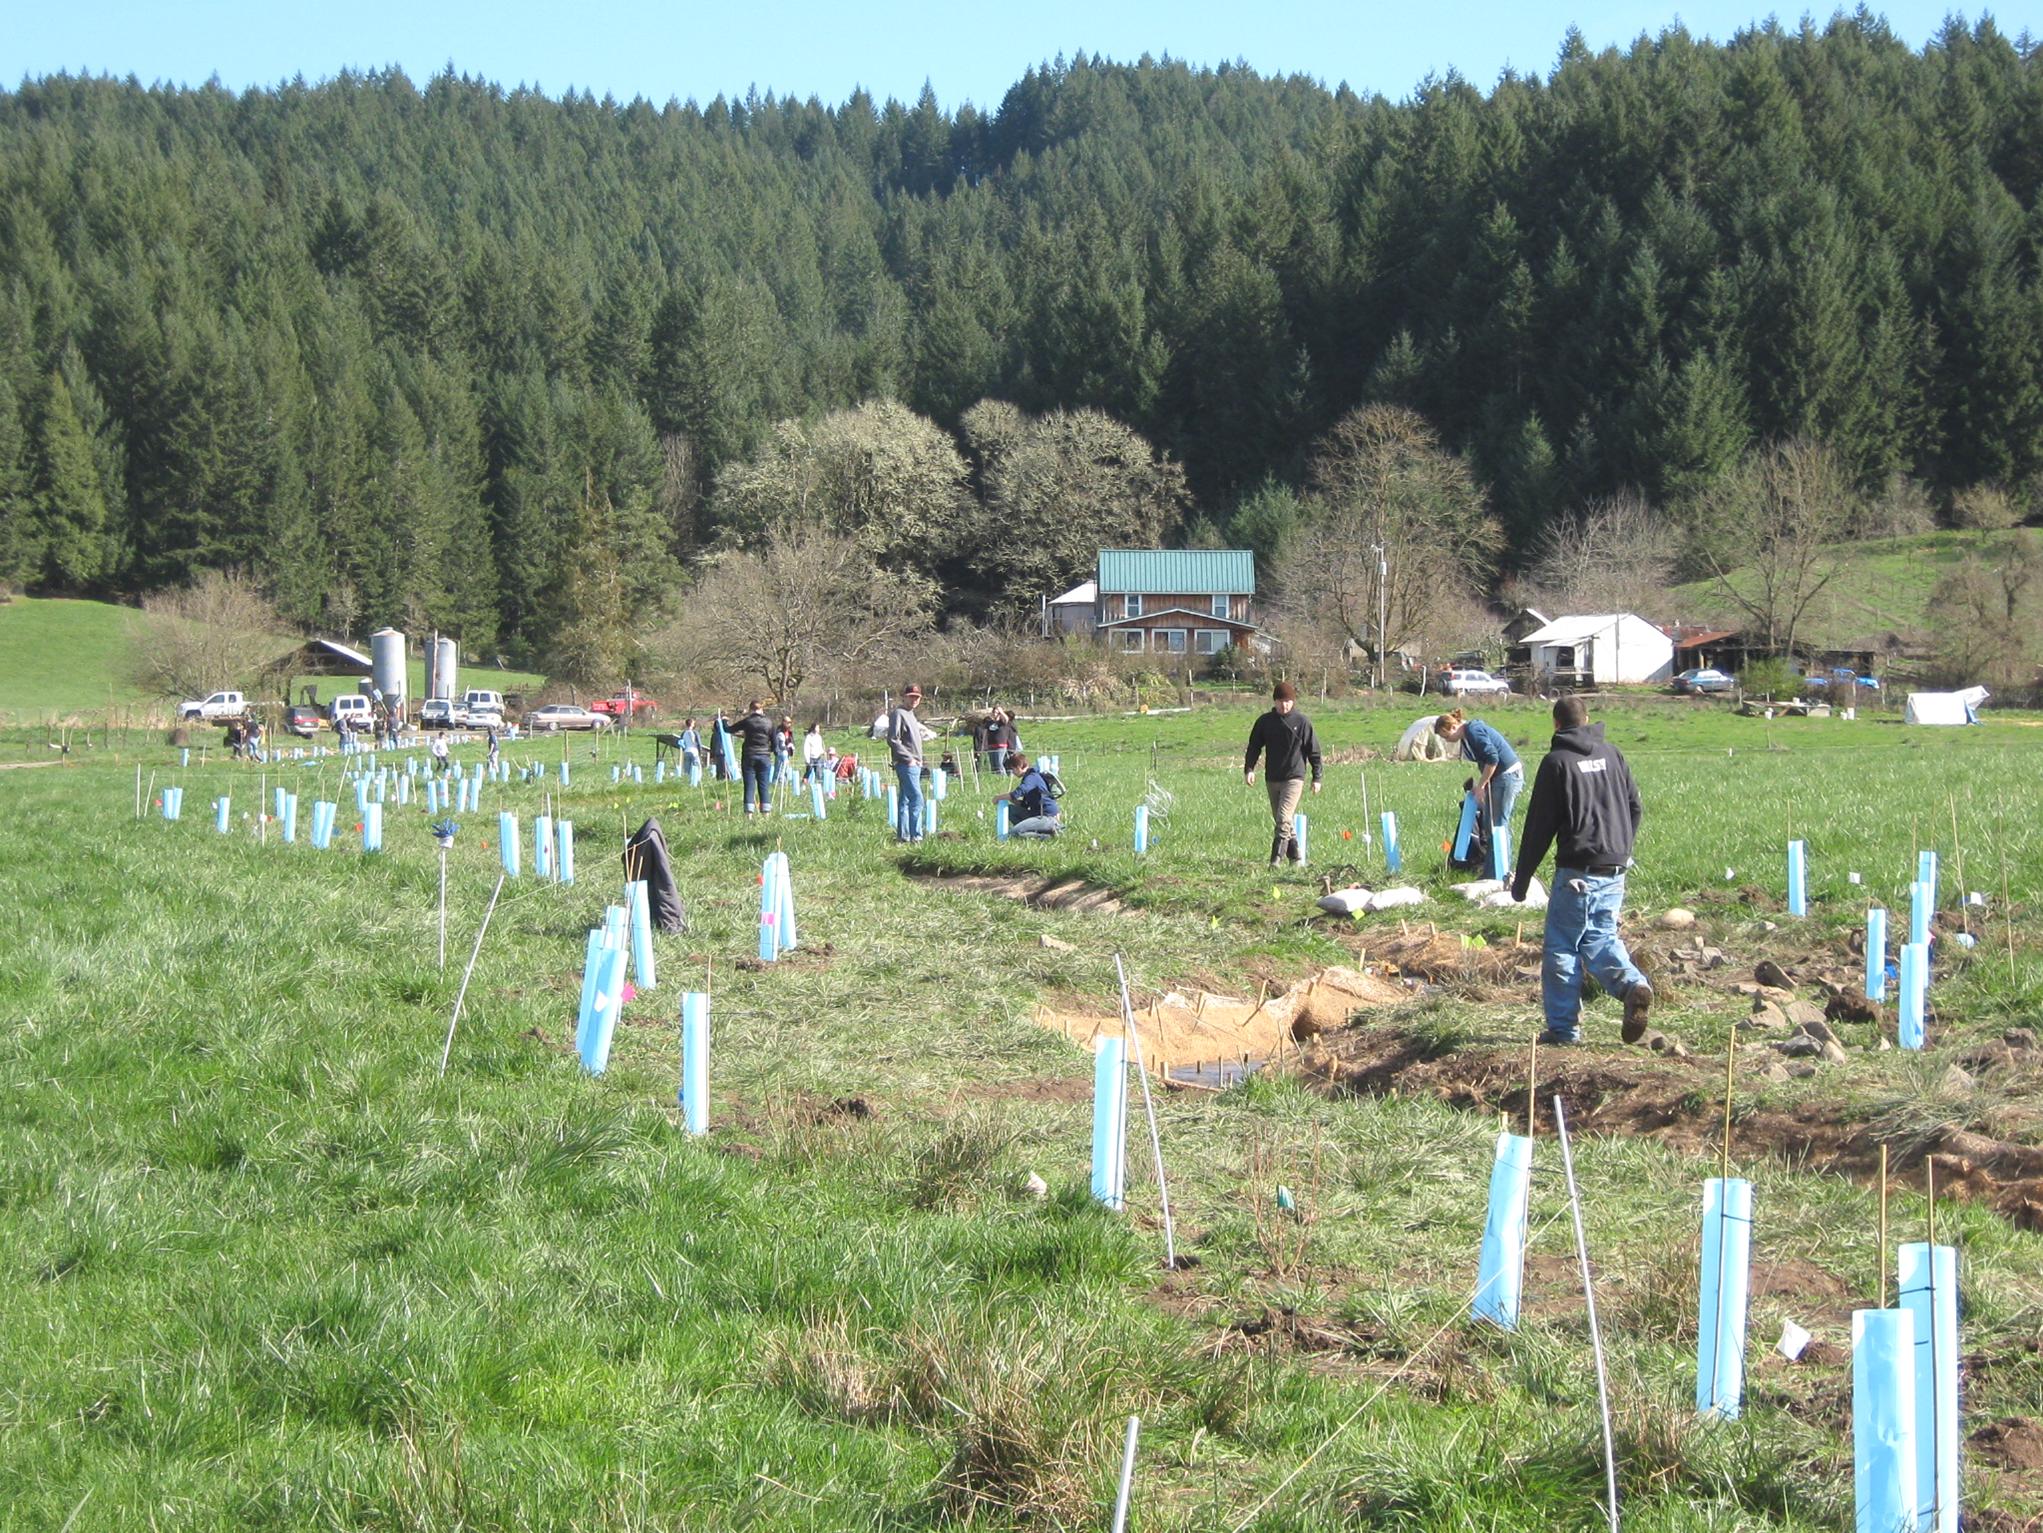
1179	1030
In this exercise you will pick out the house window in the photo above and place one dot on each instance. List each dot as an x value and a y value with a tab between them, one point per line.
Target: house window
1172	639
1131	604
1131	639
1210	641
1220	605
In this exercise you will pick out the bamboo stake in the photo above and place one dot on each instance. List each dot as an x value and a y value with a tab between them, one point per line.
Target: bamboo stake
1730	1085
482	931
1589	1296
1880	1256
1958	858
1531	1086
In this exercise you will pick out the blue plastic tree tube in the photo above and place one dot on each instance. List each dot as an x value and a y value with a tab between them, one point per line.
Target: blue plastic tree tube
1912	1024
1000	821
1929	1292
641	910
564	851
290	818
1391	859
1726	1285
1141	829
542	846
1798	878
507	842
1299	826
1876	954
608	1003
784	934
929	816
277	805
585	1008
769	910
1883	1420
695	772
372	828
939	783
1465	831
695	1062
1500	852
404	790
220	812
816	797
659	771
1926	873
615	773
1500	1275
361	794
1922	901
893	808
184	756
1110	1123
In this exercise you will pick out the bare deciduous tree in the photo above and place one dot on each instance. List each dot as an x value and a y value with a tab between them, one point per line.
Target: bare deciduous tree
1396	526
1768	535
218	632
1614	555
786	611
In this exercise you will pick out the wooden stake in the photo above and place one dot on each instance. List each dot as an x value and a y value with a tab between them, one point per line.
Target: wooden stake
1730	1085
1880	1256
1531	1085
1958	857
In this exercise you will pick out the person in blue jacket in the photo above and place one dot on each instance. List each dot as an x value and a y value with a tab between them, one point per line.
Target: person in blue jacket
1033	812
1500	778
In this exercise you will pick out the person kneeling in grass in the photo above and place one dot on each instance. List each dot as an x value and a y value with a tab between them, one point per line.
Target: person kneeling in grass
1033	812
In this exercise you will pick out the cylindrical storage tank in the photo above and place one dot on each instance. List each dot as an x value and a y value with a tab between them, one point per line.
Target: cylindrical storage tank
386	661
444	672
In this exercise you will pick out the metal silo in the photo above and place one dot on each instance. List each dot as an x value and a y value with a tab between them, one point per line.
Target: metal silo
386	662
445	673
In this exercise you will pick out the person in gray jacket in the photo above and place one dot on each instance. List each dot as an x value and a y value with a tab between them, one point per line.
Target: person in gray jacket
904	734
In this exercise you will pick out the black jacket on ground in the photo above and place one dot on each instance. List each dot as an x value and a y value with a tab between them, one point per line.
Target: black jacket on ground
1584	804
1289	743
645	856
755	736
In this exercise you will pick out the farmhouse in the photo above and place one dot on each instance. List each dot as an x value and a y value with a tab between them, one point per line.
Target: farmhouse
1175	601
1601	649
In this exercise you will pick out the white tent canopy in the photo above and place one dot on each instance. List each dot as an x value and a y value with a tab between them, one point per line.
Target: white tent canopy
1945	708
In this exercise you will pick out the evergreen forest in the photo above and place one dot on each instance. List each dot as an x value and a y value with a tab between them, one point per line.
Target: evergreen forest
409	352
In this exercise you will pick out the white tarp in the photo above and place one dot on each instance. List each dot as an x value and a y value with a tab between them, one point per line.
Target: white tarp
1419	743
1946	707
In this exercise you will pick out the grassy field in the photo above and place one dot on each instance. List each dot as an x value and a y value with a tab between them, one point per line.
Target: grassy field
61	659
1884	585
265	1268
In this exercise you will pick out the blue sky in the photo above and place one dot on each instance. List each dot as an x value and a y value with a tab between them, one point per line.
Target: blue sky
684	49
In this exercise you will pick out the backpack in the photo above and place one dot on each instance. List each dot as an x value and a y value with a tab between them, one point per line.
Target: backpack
1052	781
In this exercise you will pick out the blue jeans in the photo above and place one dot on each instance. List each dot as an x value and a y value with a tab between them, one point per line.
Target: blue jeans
759	783
908	811
1039	827
1581	930
1502	799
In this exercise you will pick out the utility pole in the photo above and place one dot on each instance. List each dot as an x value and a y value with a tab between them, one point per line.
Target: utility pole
1382	610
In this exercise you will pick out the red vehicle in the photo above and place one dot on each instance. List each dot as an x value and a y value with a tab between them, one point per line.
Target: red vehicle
626	705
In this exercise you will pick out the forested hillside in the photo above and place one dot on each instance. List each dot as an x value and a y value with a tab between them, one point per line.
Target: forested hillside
409	352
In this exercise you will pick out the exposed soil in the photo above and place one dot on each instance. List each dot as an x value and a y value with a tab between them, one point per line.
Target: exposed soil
2012	1443
1179	1030
1073	894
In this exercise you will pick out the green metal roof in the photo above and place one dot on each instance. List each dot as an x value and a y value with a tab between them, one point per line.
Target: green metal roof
1177	572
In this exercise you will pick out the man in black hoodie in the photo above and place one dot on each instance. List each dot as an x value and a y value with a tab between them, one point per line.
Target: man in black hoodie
755	738
1585	804
1285	736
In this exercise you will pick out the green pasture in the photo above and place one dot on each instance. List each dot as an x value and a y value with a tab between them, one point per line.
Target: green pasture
264	1268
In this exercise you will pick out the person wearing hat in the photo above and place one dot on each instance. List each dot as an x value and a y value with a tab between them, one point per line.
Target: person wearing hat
1284	738
904	734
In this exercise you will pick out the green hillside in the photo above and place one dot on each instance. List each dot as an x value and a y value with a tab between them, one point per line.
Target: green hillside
1885	586
59	656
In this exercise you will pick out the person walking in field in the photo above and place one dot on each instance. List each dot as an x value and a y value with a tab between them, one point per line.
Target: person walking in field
757	740
1586	806
1500	777
813	752
1283	737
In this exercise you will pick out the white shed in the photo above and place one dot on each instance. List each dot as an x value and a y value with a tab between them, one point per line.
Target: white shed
1601	649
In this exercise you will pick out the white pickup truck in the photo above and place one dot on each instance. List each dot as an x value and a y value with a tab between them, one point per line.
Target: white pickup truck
220	705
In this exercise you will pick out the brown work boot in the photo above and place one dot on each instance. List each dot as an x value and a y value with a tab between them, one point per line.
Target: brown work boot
1637	1002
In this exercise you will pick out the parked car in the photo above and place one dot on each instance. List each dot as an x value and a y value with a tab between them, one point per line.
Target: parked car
302	720
1843	678
219	706
1705	678
565	716
355	709
622	705
482	706
1468	682
439	713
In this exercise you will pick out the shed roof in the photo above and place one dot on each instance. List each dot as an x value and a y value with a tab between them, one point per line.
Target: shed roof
341	651
1178	571
1573	630
1084	594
